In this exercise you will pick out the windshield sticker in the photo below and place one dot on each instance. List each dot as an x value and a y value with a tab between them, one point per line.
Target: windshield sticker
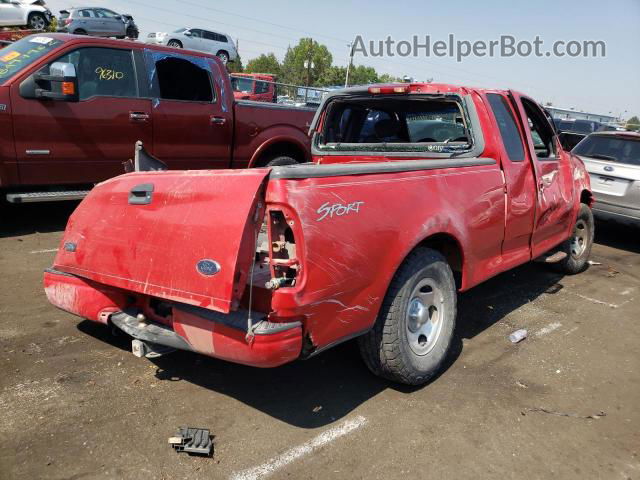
107	74
337	209
41	40
17	61
9	56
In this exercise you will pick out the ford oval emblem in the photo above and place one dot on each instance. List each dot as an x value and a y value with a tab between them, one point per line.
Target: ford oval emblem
208	267
608	168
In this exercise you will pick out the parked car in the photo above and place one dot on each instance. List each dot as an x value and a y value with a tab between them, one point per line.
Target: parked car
372	240
572	131
99	22
259	87
76	130
613	162
16	13
219	44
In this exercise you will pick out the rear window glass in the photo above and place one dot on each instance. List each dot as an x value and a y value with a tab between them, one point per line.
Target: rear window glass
244	85
396	124
612	148
21	54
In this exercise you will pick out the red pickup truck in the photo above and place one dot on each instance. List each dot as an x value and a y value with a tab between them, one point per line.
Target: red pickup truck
72	108
416	192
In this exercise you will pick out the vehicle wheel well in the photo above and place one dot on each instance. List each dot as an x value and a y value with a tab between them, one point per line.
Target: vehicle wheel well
586	197
280	149
79	31
223	51
175	41
449	247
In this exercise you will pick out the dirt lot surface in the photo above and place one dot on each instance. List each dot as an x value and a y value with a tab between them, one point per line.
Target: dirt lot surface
76	404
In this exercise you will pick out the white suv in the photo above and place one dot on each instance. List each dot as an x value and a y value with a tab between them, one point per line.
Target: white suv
219	44
16	13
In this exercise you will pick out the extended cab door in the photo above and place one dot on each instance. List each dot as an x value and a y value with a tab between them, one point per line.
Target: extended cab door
192	122
554	184
61	142
520	181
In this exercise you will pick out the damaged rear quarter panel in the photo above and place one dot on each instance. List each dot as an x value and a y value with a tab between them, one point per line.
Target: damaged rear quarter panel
350	257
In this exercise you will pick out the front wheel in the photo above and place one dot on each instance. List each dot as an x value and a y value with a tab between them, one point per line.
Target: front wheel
223	56
174	44
37	21
578	245
412	334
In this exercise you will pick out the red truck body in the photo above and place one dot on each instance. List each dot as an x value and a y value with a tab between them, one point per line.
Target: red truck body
48	142
265	266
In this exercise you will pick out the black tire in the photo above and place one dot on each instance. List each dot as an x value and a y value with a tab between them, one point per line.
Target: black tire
578	245
281	160
174	43
224	56
80	31
393	349
37	21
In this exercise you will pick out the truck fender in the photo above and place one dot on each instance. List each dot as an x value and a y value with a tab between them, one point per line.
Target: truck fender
293	141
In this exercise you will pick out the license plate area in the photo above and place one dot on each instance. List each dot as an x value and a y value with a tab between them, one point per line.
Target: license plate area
610	185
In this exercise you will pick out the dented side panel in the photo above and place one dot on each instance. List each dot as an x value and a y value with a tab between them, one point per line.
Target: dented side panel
352	234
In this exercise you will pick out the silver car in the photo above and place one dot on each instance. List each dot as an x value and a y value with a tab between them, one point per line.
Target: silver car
99	22
613	162
219	44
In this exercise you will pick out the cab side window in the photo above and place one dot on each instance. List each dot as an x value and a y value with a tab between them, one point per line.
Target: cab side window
183	78
507	126
542	133
103	72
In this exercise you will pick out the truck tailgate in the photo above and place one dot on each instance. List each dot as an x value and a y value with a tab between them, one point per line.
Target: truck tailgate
187	236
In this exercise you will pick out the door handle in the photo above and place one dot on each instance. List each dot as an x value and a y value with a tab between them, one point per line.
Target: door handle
138	116
141	194
217	120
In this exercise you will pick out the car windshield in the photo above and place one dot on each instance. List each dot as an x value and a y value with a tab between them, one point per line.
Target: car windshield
180	30
244	85
610	147
21	54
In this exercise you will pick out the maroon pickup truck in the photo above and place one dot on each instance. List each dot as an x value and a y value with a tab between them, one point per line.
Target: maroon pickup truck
72	108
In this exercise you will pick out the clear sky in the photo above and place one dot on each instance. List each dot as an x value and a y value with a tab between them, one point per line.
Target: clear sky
599	85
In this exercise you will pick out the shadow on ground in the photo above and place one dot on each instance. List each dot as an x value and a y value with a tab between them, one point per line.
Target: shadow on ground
616	235
337	380
28	218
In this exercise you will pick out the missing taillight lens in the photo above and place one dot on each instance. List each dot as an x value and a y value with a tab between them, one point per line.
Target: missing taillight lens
283	258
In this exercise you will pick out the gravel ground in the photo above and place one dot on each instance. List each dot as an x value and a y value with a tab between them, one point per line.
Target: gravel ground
75	403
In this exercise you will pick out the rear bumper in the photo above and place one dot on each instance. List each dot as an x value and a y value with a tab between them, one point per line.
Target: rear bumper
188	328
606	211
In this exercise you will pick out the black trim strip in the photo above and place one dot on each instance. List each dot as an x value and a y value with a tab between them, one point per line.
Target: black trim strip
310	170
58	272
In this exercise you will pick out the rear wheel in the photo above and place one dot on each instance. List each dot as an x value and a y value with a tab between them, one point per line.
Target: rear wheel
281	160
411	337
37	21
578	245
174	44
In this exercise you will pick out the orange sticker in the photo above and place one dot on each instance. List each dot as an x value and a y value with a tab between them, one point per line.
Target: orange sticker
9	56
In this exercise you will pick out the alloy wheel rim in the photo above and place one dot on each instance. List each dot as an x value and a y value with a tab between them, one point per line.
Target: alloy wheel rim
424	317
37	23
580	239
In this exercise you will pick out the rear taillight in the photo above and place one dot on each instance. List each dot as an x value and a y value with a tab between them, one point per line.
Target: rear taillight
283	259
390	89
67	21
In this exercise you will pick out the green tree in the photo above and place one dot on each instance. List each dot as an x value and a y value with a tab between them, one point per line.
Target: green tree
264	64
295	68
633	124
362	75
236	66
333	76
387	78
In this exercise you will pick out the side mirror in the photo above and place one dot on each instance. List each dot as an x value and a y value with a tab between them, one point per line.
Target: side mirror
60	84
188	33
118	17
